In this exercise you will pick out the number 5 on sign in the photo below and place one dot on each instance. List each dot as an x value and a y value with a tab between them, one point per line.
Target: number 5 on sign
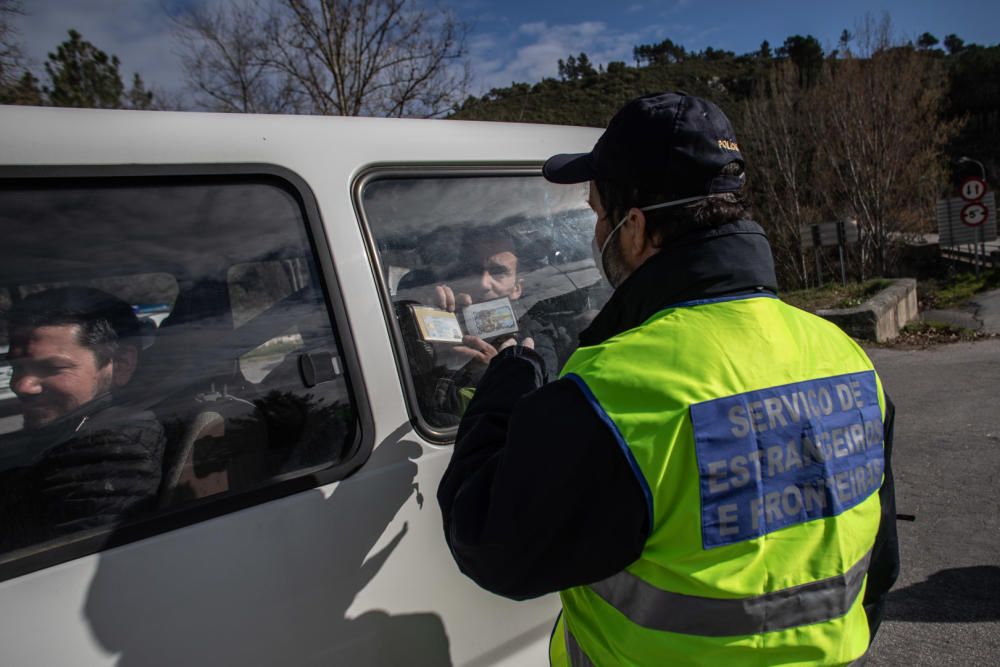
974	214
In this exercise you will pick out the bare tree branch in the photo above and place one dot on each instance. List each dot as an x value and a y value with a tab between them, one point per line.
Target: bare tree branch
11	55
225	54
881	131
778	145
865	141
343	57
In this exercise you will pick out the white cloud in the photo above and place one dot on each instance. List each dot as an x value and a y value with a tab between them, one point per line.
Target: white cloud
482	42
536	28
533	51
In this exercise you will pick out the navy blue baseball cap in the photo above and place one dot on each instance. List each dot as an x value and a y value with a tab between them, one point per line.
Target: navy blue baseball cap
665	142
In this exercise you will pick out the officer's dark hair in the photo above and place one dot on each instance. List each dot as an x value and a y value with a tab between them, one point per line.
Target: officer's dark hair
666	224
105	321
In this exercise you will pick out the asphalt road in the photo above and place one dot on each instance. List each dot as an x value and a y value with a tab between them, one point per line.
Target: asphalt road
945	608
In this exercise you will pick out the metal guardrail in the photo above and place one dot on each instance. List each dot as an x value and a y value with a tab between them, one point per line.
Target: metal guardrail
968	256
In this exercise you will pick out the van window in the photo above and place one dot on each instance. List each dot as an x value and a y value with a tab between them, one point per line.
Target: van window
491	257
283	278
163	342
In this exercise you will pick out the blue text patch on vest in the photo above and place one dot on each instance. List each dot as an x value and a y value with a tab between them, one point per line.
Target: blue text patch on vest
785	455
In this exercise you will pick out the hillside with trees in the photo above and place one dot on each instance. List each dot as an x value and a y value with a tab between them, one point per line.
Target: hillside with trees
870	131
587	95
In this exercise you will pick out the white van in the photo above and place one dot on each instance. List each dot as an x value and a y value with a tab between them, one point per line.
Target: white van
300	441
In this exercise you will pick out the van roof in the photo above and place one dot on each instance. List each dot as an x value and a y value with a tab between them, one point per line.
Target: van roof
47	135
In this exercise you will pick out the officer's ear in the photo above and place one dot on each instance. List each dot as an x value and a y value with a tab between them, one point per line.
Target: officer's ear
636	246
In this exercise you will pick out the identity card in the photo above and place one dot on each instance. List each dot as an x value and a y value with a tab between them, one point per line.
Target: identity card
490	319
438	326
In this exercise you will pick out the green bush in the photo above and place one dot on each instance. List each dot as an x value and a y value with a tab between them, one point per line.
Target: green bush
958	289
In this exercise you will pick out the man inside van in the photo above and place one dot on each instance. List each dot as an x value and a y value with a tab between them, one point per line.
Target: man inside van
708	483
81	461
487	269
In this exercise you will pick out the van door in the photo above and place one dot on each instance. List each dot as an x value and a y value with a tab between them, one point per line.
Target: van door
170	471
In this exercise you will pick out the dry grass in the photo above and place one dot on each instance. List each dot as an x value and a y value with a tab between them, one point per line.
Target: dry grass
835	295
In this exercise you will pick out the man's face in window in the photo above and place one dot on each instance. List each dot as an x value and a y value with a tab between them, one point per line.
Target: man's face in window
498	278
53	373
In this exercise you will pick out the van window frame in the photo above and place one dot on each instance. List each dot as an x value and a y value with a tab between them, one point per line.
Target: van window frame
416	171
38	557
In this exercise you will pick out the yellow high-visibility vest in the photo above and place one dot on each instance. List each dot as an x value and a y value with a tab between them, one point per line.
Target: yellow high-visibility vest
756	433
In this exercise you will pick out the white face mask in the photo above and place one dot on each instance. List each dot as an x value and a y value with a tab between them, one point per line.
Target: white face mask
599	252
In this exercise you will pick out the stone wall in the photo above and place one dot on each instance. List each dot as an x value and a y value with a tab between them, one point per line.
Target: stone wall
882	316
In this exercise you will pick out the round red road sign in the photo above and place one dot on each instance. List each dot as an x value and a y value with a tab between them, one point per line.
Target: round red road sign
973	188
974	214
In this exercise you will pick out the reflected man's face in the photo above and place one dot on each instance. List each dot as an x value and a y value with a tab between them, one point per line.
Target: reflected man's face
498	278
53	373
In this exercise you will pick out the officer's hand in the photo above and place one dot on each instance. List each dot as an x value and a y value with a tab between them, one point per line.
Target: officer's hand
445	298
510	342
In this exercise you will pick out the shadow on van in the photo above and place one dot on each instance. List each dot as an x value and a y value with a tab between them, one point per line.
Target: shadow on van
217	593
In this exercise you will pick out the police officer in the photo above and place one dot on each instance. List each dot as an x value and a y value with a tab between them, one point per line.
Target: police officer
708	481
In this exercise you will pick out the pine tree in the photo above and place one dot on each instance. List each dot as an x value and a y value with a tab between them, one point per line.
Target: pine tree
927	41
24	91
138	97
954	43
82	75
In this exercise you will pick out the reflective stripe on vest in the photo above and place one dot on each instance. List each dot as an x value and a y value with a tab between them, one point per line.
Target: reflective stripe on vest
577	658
652	608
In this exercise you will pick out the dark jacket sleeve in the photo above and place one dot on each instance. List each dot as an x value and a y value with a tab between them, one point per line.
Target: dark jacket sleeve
103	475
884	567
543	334
538	496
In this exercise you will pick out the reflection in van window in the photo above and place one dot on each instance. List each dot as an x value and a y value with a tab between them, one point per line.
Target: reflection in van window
153	332
470	262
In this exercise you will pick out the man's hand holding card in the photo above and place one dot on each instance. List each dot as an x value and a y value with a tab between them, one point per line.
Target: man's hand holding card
479	324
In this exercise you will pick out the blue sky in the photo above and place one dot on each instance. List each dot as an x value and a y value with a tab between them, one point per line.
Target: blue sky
518	40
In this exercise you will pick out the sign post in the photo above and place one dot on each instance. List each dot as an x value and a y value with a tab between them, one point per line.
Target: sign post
830	234
975	213
970	219
817	242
